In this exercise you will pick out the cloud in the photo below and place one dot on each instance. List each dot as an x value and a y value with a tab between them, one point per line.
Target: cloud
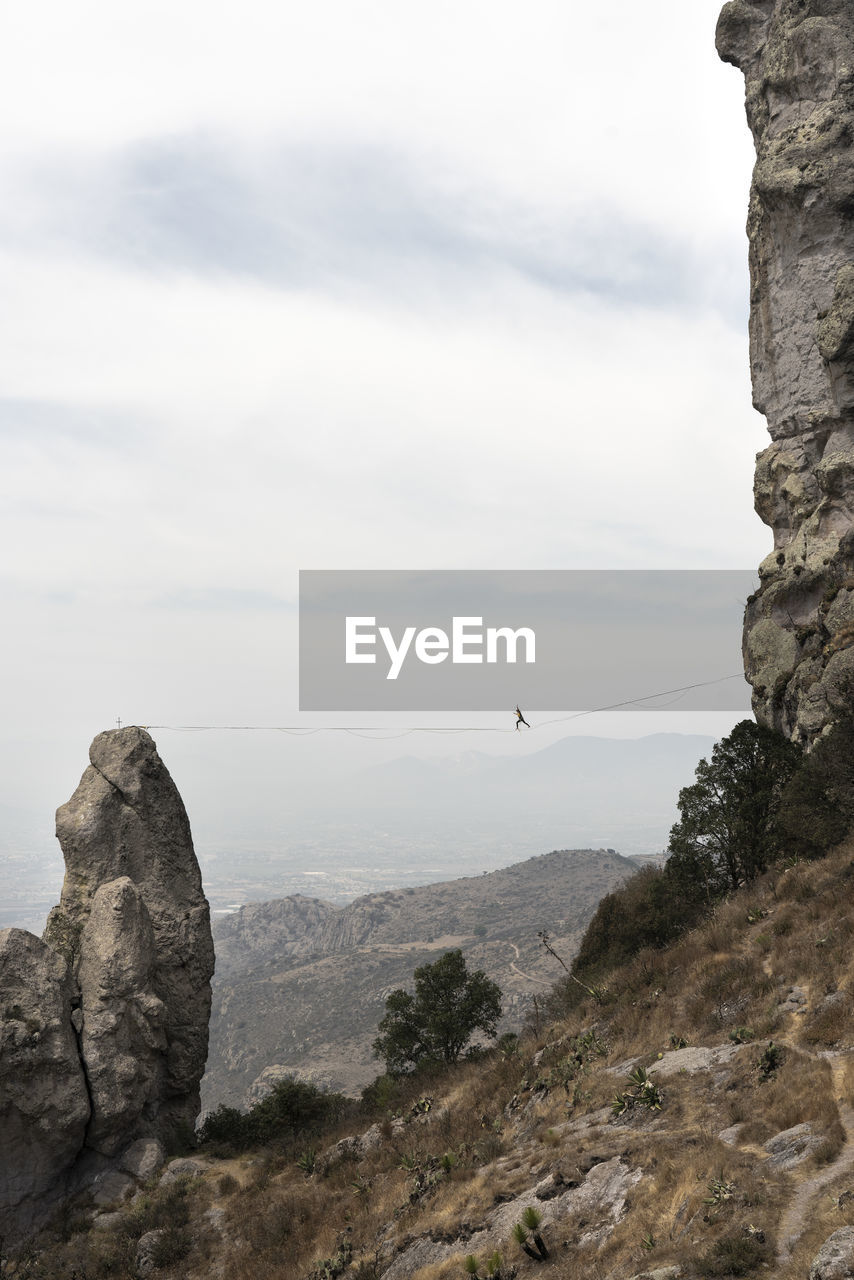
220	432
353	286
354	219
224	599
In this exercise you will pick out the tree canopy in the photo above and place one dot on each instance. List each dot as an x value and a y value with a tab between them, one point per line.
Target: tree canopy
727	833
437	1022
817	808
737	817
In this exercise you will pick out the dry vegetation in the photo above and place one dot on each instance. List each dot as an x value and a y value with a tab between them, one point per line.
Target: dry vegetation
499	1128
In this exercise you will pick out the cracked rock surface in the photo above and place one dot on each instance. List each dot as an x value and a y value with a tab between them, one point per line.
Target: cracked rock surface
44	1105
136	924
119	987
797	57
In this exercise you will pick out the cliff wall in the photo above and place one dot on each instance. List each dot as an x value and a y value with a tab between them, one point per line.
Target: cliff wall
797	57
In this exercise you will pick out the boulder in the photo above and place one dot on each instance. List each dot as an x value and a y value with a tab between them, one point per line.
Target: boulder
106	1221
146	1260
835	1258
111	1187
183	1167
143	1158
693	1060
671	1272
792	1146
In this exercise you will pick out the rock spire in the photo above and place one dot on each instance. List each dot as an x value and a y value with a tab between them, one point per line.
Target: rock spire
106	1018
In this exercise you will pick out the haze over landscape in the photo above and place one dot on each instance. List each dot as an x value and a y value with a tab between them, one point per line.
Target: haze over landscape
410	995
359	308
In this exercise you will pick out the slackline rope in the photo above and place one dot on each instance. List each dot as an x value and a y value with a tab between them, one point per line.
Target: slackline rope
367	730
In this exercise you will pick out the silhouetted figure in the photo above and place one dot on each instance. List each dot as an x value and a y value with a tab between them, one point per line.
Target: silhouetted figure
520	719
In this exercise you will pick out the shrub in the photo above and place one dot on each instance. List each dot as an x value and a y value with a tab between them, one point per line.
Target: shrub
734	1255
770	1059
170	1247
225	1127
529	1230
292	1109
644	912
163	1207
727	834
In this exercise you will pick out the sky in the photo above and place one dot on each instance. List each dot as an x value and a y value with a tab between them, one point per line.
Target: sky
387	285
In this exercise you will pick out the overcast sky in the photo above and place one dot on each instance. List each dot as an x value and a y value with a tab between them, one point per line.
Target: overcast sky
374	285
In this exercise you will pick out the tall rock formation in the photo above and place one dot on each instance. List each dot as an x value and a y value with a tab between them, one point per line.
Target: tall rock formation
107	1017
136	925
797	57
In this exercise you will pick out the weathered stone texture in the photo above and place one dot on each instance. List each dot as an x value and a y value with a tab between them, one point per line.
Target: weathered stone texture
835	1258
44	1106
104	1023
123	1038
797	57
136	924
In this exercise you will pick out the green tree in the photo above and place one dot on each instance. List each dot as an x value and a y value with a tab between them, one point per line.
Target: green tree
437	1022
817	806
727	833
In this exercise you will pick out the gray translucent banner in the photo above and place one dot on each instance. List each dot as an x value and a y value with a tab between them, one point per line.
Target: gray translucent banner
547	640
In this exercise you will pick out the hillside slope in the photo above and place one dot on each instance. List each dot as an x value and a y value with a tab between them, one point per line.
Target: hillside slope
732	1155
301	985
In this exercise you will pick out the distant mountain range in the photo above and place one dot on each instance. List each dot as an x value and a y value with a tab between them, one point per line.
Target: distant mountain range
574	771
620	793
300	985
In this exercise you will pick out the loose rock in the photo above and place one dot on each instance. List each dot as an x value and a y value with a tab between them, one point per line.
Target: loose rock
835	1258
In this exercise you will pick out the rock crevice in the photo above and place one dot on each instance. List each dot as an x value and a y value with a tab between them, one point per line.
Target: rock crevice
122	980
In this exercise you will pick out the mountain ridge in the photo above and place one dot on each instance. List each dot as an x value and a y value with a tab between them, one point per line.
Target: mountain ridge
282	966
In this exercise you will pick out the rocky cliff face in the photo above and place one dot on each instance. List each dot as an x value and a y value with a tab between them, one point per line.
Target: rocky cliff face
105	1021
797	57
44	1103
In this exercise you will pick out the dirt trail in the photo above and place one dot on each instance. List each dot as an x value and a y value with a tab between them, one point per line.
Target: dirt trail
795	1218
529	977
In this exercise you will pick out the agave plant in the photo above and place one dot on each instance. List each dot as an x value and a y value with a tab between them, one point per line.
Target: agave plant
527	1230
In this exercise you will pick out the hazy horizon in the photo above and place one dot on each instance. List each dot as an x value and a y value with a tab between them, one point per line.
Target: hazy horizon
263	828
424	289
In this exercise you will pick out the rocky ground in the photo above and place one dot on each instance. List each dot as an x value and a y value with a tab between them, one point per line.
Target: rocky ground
696	1120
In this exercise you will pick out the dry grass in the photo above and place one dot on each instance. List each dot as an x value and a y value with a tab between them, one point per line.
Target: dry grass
801	1091
674	1210
501	1125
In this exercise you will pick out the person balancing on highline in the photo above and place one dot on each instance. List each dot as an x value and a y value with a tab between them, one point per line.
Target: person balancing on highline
520	719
